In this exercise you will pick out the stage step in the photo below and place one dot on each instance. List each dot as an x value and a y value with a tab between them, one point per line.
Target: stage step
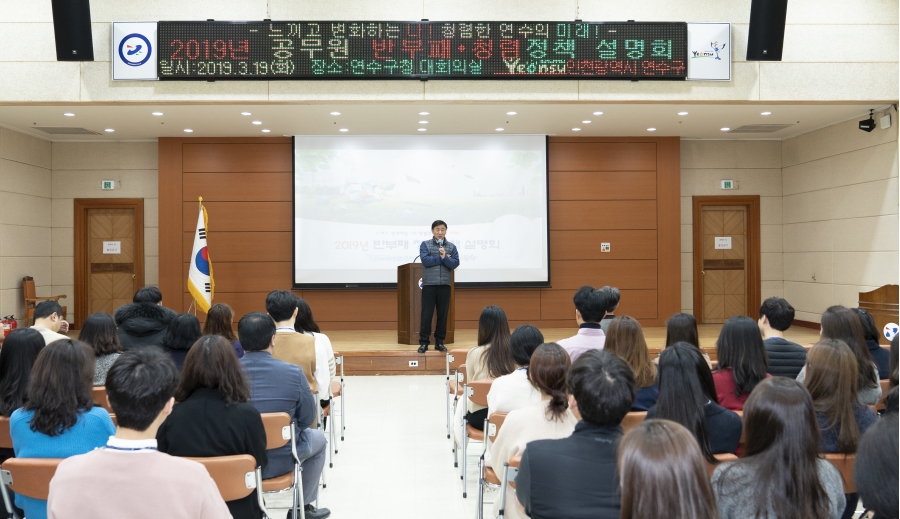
394	363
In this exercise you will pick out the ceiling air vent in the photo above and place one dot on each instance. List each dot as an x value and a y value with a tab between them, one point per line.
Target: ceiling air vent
64	130
760	128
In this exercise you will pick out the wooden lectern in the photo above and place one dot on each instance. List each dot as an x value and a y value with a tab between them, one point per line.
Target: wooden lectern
409	306
882	303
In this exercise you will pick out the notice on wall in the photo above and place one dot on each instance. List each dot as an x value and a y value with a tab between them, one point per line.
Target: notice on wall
115	247
723	242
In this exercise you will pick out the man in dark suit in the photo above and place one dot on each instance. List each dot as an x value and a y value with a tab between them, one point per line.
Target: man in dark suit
279	387
577	476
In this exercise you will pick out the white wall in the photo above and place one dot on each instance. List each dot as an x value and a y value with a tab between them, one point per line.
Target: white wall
835	50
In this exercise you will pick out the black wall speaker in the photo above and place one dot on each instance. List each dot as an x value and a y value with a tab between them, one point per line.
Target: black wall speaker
766	39
72	27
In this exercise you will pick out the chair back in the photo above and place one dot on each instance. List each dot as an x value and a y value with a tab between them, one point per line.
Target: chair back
632	420
880	406
5	438
478	391
495	422
844	464
336	388
30	477
457	358
514	463
28	287
461	370
278	429
235	476
101	398
722	458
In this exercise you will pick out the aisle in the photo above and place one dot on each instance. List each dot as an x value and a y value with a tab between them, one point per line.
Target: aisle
395	462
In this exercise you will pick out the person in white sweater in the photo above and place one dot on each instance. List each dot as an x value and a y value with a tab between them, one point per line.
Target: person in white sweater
515	391
550	418
325	366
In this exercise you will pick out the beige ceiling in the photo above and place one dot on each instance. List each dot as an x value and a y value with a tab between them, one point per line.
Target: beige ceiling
703	121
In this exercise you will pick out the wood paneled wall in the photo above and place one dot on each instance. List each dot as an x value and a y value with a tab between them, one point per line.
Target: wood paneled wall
625	191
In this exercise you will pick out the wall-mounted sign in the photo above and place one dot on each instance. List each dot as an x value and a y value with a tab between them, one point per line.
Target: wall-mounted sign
112	247
709	51
723	242
134	51
422	50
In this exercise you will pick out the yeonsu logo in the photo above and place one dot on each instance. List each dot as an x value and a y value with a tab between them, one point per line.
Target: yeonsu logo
134	49
713	53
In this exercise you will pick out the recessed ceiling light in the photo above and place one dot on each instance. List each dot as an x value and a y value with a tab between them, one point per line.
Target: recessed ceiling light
110	130
499	129
335	113
576	129
245	113
423	122
585	122
421	129
69	114
682	113
257	122
765	113
188	130
598	113
157	113
651	129
725	129
344	130
510	113
424	113
266	131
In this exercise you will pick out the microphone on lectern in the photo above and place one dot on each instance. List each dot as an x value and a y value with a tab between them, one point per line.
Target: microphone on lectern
414	259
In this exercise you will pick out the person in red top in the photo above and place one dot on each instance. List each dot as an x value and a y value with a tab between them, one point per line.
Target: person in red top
743	362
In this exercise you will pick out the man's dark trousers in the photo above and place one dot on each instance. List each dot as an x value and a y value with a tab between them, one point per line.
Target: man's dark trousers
434	295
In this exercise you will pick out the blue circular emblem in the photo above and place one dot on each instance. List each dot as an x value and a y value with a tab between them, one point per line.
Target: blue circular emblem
135	49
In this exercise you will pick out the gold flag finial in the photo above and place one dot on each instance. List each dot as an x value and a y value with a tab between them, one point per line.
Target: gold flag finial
200	199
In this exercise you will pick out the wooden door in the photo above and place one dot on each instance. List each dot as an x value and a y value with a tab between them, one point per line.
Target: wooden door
726	258
109	255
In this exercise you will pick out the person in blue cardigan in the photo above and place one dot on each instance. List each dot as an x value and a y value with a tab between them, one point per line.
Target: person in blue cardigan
53	424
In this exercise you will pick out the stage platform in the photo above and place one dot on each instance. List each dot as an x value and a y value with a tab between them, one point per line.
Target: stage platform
376	352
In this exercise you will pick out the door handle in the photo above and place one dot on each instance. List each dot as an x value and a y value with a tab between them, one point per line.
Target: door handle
702	272
132	276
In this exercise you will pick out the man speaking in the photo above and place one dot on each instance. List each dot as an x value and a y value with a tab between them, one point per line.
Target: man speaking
439	258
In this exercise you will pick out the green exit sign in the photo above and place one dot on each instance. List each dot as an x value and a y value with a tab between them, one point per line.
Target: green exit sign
728	184
108	184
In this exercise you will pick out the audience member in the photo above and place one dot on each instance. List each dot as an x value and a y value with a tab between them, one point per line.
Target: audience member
786	358
880	356
626	339
99	332
743	361
687	395
291	346
183	331
487	361
279	387
48	321
219	321
325	366
875	468
843	324
515	391
549	418
894	362
128	477
683	328
612	296
212	417
663	474
590	307
144	321
58	419
20	349
891	401
577	476
781	473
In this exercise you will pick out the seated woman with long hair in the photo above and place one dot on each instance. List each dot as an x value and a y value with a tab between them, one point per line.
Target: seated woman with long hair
20	349
843	324
490	359
625	338
219	321
180	335
59	419
213	416
99	332
325	365
682	327
546	420
743	361
515	391
687	395
781	474
662	474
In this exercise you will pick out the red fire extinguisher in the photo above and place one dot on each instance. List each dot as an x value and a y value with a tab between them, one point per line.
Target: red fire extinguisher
8	324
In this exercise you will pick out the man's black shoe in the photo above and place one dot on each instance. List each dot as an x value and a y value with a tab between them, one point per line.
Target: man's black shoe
440	347
311	512
423	348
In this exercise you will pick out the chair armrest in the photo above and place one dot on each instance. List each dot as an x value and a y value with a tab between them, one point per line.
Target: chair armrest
515	461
